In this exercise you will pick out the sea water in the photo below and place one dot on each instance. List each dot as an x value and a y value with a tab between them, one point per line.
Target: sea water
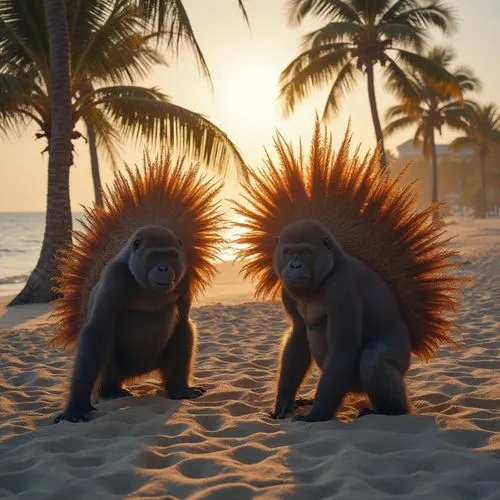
21	236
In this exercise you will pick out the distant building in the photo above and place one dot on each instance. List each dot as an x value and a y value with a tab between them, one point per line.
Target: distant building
409	151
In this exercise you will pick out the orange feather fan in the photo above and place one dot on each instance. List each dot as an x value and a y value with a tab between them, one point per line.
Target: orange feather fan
374	218
161	193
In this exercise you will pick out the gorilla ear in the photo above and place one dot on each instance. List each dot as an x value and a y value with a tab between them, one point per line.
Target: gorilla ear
327	242
277	240
179	241
136	244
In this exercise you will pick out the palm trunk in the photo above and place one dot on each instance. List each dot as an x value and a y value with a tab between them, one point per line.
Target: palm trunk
94	162
435	187
376	120
483	202
58	213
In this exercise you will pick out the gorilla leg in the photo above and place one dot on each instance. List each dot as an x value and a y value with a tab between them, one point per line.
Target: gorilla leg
382	368
110	386
175	362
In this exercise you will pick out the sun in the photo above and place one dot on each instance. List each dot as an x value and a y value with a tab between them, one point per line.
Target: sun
247	93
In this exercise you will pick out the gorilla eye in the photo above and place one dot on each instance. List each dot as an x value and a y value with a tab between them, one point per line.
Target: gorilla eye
136	244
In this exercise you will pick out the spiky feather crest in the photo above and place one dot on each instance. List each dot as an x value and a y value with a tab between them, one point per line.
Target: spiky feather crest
162	192
374	218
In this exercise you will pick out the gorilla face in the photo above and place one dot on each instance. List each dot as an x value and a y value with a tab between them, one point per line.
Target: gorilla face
303	257
156	258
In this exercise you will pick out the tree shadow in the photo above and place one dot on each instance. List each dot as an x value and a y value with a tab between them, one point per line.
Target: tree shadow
33	314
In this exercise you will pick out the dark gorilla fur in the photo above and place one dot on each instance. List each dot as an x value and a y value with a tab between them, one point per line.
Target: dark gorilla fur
138	321
345	318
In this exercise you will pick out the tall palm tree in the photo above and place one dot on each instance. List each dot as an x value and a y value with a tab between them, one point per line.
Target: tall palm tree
58	211
24	64
481	134
431	107
358	36
116	107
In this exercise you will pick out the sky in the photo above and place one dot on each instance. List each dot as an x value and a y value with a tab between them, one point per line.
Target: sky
245	65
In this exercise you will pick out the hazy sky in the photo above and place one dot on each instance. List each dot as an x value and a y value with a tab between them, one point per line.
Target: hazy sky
245	66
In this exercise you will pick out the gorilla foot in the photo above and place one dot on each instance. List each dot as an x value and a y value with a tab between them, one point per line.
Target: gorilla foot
120	392
299	402
186	393
367	411
277	414
75	415
280	413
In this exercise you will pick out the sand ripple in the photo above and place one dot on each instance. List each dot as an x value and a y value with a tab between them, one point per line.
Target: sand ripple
223	445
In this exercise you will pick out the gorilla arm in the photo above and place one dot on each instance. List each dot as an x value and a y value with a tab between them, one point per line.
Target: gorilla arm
295	361
94	341
343	332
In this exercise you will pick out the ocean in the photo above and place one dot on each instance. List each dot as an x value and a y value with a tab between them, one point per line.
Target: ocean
21	236
20	244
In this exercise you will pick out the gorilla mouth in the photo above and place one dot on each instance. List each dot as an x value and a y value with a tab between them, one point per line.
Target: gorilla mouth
297	284
163	285
297	281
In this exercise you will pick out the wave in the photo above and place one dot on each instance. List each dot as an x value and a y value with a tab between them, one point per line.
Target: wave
11	250
12	280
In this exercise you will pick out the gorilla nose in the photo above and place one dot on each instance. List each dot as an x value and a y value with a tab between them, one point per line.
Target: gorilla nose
296	265
162	275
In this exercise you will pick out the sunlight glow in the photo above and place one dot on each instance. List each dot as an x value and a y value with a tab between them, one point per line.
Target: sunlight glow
248	93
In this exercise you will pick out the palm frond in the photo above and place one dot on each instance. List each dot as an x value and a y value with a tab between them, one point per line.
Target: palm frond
243	11
313	68
466	79
162	123
399	82
18	104
23	39
370	11
463	142
436	75
346	79
455	122
169	19
329	9
400	124
396	111
114	49
404	35
331	33
435	14
104	95
398	7
107	137
483	124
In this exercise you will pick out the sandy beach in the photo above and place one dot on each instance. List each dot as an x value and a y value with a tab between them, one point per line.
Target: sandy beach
222	445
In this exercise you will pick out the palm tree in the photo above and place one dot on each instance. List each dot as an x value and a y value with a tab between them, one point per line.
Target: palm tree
26	89
481	134
358	36
58	211
116	107
431	107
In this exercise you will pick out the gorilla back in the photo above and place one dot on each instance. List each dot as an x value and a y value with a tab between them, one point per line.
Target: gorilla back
128	284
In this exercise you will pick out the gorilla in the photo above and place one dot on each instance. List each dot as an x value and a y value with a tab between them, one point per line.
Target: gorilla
345	318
